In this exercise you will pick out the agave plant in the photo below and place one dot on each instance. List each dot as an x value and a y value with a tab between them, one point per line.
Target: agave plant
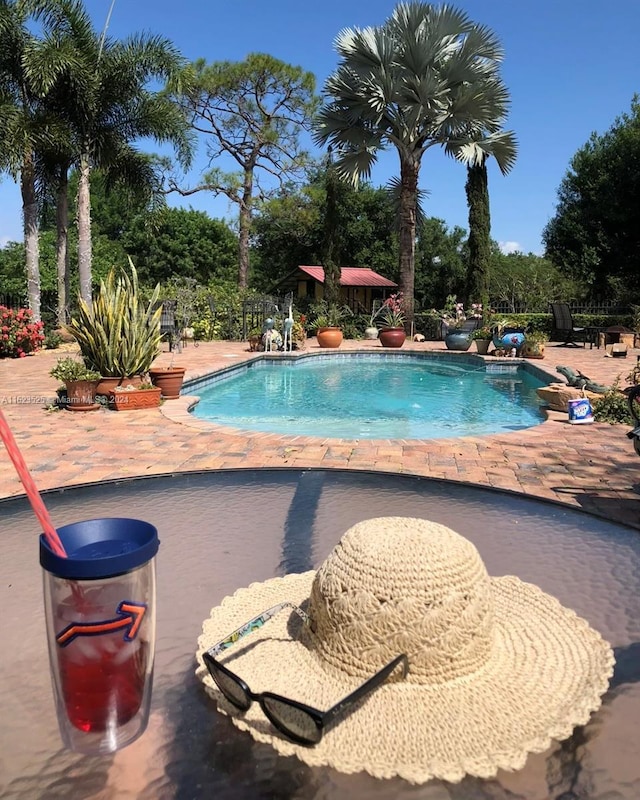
118	335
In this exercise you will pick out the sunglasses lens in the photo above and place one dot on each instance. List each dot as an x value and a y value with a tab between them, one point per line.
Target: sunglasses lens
229	687
292	720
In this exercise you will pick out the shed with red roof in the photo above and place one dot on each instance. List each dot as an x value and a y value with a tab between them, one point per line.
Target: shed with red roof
359	286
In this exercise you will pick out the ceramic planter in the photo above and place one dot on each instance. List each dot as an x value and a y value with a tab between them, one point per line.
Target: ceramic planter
509	338
392	337
168	380
532	349
135	399
458	340
81	396
371	333
482	346
329	337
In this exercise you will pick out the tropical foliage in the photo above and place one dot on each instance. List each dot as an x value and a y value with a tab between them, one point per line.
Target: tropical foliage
119	334
428	76
74	97
391	314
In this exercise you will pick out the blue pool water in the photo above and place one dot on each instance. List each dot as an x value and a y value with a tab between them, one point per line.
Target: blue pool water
372	397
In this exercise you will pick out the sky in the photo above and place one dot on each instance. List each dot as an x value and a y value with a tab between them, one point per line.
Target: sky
571	66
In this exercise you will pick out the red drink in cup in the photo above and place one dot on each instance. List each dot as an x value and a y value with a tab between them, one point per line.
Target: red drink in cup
100	612
94	688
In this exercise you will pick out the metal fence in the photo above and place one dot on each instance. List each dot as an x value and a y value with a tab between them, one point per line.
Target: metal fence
257	309
48	303
505	307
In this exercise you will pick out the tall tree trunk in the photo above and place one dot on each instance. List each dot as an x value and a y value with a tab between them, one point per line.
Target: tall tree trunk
84	227
30	215
245	229
477	189
330	246
409	171
62	249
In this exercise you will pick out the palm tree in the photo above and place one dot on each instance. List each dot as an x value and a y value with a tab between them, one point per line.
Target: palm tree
428	75
26	126
102	96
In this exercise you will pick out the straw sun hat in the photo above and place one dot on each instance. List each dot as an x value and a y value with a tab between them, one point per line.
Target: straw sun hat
497	668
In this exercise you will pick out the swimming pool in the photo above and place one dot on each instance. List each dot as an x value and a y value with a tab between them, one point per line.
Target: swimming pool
372	396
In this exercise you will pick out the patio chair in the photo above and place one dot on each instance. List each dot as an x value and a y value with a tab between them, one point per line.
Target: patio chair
563	327
169	325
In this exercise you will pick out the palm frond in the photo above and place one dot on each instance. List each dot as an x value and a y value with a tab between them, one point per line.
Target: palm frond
394	188
503	146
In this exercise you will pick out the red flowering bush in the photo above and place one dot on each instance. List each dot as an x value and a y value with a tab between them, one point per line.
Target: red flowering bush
18	334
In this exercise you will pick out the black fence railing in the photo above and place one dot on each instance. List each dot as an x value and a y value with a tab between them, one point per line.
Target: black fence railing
257	309
614	309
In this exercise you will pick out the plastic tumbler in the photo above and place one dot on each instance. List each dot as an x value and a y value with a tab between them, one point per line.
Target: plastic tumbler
100	619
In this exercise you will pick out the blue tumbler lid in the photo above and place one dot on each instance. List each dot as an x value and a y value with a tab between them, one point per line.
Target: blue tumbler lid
100	548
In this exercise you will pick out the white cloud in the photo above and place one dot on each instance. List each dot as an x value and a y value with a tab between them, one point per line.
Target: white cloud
510	247
4	241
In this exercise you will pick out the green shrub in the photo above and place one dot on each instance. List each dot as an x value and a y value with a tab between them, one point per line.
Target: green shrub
613	407
70	369
52	340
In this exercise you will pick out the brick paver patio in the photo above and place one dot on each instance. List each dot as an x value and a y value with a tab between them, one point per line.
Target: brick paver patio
590	466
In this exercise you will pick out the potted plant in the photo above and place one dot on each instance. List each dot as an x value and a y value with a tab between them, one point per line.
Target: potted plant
168	379
328	321
458	323
482	337
80	384
118	334
533	345
133	398
508	335
371	331
391	321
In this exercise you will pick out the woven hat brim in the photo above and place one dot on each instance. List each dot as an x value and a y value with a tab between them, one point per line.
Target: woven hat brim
546	675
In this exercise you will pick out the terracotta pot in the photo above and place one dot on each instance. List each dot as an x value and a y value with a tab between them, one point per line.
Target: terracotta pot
458	340
168	380
81	396
107	385
392	337
135	399
329	337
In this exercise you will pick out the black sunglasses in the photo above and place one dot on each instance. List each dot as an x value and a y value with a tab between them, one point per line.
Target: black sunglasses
299	722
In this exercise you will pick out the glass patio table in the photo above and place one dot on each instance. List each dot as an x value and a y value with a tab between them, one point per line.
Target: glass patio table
223	530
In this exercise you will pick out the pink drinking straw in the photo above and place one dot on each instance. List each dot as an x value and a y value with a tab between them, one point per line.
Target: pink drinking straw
39	508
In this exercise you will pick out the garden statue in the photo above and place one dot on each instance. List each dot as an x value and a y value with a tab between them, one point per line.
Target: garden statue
267	334
288	326
580	381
